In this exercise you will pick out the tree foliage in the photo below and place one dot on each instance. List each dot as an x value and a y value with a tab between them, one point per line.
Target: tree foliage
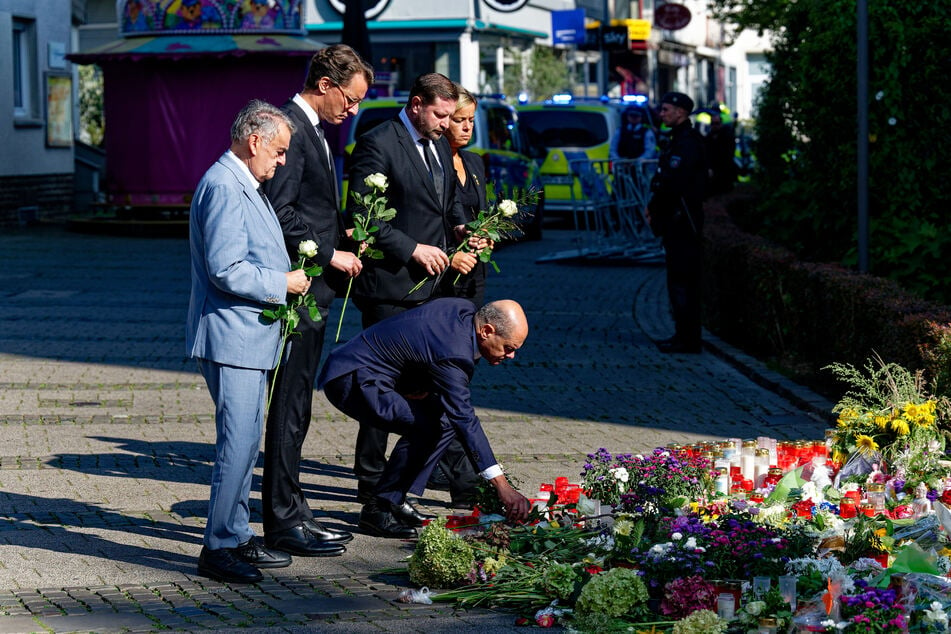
91	121
807	128
546	74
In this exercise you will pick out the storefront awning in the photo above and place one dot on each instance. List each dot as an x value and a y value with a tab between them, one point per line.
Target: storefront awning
183	46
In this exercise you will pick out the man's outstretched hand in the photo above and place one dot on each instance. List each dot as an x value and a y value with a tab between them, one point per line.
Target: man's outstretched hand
516	505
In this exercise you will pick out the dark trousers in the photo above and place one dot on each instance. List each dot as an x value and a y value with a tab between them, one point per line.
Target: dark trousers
424	430
684	253
370	452
284	503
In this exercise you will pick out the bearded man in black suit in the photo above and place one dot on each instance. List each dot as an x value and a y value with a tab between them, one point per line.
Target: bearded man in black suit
305	195
412	152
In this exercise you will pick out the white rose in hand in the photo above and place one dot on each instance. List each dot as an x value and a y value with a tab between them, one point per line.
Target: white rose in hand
376	181
508	208
307	248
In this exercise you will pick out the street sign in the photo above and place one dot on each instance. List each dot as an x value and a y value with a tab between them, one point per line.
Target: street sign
639	29
613	38
567	27
671	17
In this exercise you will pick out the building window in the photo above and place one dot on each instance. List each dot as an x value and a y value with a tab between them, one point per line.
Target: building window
25	81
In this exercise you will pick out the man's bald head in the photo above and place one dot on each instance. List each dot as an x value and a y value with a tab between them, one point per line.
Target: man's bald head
501	329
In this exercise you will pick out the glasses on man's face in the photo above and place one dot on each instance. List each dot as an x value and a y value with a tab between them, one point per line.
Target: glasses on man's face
351	101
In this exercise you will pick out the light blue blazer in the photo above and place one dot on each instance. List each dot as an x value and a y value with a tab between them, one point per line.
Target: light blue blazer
238	266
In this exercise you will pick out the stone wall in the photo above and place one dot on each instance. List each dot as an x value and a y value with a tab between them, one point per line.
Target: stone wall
35	197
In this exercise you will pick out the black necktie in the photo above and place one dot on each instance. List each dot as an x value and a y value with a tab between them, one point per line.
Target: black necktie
435	171
263	196
330	164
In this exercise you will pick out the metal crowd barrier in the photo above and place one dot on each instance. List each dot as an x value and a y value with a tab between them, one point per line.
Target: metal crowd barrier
609	199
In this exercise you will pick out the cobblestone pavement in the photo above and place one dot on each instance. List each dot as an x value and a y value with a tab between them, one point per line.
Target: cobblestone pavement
108	434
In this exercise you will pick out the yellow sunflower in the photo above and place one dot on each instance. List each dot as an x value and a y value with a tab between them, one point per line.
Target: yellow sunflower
846	416
865	444
880	421
900	426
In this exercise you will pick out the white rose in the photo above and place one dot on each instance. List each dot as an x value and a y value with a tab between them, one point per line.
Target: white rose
307	248
508	208
376	181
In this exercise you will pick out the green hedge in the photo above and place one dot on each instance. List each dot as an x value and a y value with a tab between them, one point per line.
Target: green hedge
801	316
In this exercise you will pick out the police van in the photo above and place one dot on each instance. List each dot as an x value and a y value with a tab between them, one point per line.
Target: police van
495	137
565	129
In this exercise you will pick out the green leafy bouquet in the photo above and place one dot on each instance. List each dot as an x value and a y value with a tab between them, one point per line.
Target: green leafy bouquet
287	313
364	225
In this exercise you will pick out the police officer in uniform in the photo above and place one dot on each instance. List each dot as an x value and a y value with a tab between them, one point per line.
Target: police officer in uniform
675	212
634	139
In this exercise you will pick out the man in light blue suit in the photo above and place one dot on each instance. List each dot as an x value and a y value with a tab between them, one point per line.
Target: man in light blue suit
239	267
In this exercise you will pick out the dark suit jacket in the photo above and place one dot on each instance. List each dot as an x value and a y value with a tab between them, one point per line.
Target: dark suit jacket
471	286
304	195
476	168
430	347
420	218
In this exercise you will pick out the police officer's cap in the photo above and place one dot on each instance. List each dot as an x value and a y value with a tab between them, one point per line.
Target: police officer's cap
678	99
633	110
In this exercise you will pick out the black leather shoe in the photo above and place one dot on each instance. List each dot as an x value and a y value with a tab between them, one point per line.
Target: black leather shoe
408	514
298	541
379	523
254	552
222	564
326	534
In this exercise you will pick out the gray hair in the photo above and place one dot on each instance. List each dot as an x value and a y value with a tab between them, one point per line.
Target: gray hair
491	314
259	117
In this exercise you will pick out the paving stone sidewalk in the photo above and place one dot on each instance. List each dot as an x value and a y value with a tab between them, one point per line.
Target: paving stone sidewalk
107	434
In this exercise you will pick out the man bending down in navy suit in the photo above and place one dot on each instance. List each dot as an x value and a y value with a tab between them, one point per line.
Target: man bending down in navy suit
239	267
410	374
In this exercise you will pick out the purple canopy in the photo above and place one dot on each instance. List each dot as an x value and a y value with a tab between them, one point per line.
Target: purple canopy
169	102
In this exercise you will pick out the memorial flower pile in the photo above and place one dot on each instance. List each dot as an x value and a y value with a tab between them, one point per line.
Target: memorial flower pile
659	481
871	609
652	545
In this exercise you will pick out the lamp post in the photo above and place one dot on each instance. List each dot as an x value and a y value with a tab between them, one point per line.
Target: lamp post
862	141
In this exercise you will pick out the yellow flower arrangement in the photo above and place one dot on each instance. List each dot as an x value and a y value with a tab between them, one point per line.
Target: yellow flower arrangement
887	415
